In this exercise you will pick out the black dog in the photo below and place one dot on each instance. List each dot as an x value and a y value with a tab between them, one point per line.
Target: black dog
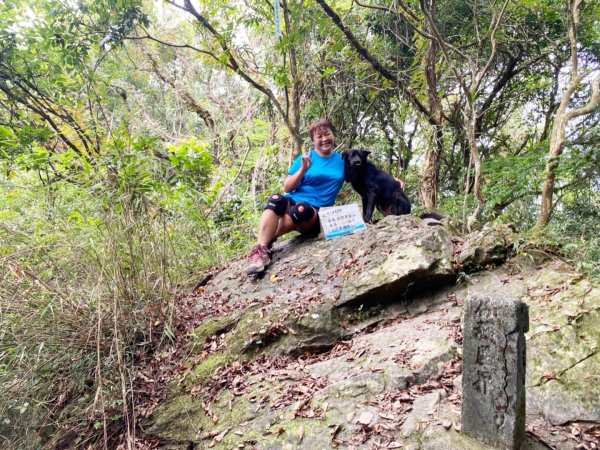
376	187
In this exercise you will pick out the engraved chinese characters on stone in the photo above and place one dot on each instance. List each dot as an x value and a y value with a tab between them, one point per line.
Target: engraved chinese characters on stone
493	407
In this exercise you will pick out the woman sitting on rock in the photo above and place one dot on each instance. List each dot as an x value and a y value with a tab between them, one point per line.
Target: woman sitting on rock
314	180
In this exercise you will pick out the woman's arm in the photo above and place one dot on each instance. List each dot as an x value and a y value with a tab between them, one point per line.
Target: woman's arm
292	181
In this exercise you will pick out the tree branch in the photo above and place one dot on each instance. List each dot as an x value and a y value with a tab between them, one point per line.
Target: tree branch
187	96
169	44
376	7
492	56
507	74
233	62
43	114
380	68
592	105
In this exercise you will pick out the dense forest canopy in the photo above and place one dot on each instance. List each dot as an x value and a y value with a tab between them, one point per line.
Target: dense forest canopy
138	141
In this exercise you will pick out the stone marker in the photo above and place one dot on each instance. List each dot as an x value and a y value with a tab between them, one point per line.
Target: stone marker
493	404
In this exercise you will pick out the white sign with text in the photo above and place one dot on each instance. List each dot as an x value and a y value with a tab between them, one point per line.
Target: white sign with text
341	220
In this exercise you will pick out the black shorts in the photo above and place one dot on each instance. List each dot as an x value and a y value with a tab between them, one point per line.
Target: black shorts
316	228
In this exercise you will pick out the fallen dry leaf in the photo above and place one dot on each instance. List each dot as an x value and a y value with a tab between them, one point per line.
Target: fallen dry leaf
365	417
300	434
335	431
593	431
547	376
209	434
219	437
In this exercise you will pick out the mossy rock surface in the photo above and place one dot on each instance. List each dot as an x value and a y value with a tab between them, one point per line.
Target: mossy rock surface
404	353
562	375
210	328
572	397
391	269
382	346
492	245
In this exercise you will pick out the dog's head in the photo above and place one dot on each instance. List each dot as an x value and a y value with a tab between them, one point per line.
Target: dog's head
355	158
354	161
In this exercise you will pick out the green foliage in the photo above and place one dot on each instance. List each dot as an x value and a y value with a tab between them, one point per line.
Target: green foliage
191	162
88	268
82	287
122	177
506	184
576	229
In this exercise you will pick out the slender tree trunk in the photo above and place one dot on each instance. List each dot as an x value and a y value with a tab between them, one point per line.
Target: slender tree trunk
470	128
429	180
232	62
557	144
562	118
558	139
295	107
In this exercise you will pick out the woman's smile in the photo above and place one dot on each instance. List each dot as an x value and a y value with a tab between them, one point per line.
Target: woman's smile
324	140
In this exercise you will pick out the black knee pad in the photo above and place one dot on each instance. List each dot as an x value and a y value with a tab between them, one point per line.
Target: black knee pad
298	216
277	203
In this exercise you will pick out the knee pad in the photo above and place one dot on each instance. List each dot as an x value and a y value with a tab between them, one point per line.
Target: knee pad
301	212
278	204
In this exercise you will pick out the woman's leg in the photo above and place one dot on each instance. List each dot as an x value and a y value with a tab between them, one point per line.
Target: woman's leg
269	224
309	224
273	226
275	210
270	229
286	223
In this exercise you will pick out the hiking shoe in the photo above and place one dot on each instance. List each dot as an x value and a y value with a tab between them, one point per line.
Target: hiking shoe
259	259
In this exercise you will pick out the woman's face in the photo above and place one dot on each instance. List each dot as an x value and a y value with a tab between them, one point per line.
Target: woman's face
323	140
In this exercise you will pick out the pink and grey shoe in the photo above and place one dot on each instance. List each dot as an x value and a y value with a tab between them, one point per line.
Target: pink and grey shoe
259	259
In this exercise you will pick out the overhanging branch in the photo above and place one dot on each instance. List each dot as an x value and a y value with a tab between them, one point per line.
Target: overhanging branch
380	68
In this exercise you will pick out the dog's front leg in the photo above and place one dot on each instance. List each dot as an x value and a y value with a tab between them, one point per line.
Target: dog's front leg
369	206
365	201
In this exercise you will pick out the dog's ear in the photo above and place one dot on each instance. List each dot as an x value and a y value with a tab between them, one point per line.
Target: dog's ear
365	153
345	156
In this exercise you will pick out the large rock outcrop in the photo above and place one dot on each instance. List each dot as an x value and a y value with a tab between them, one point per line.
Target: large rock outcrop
356	343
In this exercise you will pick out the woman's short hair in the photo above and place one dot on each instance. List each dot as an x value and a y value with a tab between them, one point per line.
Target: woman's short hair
320	123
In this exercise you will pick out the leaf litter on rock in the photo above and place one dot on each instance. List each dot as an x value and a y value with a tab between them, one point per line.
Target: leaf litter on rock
163	366
404	356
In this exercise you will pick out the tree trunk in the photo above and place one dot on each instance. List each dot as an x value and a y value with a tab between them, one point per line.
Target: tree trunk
228	56
295	107
562	118
470	127
557	144
430	175
429	183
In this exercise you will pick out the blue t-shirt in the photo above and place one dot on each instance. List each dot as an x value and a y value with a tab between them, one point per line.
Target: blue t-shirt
322	182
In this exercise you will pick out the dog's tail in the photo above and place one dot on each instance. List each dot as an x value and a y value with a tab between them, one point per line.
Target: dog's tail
432	215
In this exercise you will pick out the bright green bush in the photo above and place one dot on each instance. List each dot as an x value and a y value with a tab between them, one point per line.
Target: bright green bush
90	257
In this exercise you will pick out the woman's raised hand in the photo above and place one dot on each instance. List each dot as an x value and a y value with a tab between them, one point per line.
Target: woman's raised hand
306	162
